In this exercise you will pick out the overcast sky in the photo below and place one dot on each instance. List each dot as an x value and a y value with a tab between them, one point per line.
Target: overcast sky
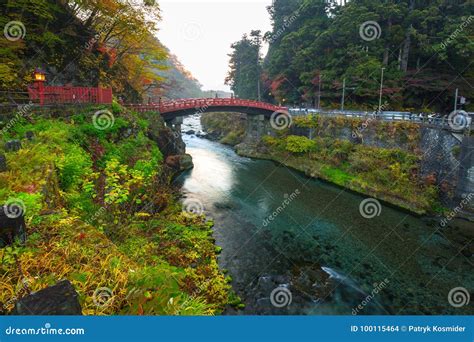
200	33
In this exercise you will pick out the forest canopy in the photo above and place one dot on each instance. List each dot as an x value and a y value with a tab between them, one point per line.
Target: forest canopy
86	43
425	47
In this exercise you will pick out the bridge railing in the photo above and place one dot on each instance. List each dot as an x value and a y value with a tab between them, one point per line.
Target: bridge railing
203	104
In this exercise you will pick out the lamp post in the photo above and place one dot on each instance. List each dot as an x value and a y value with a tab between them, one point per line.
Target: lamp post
343	93
381	88
39	79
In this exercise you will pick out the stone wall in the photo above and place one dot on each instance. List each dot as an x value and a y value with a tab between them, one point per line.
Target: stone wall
444	160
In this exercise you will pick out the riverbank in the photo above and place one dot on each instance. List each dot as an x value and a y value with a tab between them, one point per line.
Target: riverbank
94	188
278	228
389	174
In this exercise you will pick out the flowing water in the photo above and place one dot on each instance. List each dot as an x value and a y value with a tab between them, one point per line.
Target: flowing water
295	245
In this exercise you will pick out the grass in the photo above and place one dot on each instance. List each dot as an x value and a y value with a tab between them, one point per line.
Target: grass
100	212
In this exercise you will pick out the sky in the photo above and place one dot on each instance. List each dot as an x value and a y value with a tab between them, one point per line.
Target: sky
200	33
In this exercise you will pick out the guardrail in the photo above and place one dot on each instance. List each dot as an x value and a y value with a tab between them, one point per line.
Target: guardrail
393	116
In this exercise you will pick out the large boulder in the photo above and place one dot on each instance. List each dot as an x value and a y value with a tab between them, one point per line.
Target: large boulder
169	142
59	299
180	162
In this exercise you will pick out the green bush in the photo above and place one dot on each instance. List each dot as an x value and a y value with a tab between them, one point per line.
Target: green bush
299	144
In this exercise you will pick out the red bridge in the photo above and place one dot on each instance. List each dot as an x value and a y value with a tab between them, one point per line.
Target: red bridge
181	107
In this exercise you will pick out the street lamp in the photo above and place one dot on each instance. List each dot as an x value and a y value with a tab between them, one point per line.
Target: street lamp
39	79
381	88
39	75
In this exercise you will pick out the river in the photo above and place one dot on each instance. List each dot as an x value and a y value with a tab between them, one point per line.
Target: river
306	242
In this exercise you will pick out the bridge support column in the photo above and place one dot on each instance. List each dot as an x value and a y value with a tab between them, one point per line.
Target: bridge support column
255	126
175	124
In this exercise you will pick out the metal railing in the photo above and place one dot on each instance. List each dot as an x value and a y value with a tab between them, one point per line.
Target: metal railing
392	116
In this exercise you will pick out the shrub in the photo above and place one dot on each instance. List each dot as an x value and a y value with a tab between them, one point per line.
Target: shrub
299	144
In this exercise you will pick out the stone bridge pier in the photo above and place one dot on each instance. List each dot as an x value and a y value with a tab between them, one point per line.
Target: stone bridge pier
258	126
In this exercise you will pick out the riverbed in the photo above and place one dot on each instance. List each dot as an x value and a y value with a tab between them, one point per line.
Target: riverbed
296	245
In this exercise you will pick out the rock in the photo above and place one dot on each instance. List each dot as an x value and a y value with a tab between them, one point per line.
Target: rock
180	162
12	224
3	163
169	142
59	299
13	145
191	131
186	162
30	135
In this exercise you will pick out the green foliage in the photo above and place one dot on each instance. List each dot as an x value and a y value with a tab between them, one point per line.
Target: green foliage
316	44
84	192
299	144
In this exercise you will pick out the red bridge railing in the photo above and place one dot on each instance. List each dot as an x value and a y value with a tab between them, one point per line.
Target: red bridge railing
202	104
65	94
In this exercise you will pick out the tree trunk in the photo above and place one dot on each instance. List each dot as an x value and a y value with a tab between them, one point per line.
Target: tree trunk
387	44
407	42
